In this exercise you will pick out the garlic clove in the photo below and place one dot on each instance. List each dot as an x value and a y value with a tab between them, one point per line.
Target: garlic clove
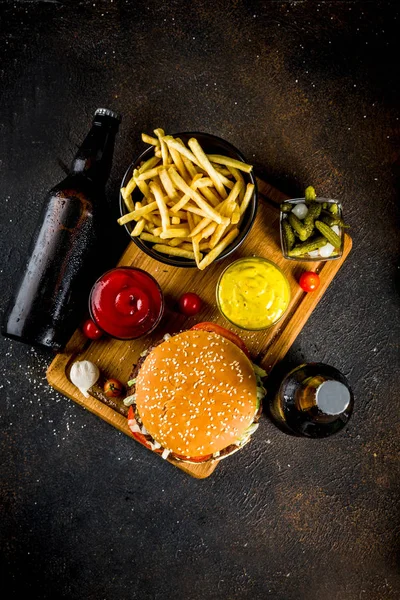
84	374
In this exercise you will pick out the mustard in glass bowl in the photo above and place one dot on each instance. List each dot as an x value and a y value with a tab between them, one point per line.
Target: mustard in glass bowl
253	293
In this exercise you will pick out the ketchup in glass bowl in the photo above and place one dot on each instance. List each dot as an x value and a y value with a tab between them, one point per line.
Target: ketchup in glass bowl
126	303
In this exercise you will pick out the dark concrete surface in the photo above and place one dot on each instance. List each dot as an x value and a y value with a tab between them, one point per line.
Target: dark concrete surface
309	91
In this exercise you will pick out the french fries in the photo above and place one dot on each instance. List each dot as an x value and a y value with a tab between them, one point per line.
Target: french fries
185	202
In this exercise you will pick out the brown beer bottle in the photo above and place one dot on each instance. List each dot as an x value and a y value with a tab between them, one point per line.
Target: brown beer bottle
64	256
314	400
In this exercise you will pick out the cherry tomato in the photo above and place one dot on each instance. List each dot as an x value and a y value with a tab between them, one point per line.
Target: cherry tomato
226	333
309	281
190	304
113	388
91	330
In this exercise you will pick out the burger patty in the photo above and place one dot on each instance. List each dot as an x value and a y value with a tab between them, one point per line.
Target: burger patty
136	368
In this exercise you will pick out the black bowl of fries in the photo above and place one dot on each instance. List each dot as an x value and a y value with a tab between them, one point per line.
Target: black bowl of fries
189	199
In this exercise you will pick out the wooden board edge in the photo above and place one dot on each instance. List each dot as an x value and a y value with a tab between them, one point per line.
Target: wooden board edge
271	193
308	304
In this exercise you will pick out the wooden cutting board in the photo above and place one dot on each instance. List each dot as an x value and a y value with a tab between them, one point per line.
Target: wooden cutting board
115	358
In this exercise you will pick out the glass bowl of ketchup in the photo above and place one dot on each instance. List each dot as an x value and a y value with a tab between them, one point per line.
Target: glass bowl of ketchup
126	303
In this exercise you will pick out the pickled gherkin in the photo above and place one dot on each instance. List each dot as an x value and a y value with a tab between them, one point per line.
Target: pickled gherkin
286	207
330	219
306	247
314	210
288	235
310	194
334	208
298	227
328	233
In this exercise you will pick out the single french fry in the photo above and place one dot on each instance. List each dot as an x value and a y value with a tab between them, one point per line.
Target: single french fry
191	169
148	139
175	241
138	229
175	220
247	197
238	177
206	232
201	203
217	235
162	207
213	199
130	186
148	227
180	204
204	246
148	237
190	220
173	232
136	214
196	178
221	170
196	251
157	152
196	217
164	149
149	164
157	231
215	252
153	218
173	251
207	166
200	226
235	218
181	148
148	174
202	182
227	210
230	162
234	193
127	200
178	162
195	210
167	184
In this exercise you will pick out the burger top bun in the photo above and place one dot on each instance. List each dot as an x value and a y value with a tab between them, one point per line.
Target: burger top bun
196	393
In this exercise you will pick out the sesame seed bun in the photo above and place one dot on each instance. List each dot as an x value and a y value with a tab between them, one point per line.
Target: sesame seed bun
196	393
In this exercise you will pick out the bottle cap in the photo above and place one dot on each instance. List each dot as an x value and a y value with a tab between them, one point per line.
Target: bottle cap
332	397
108	113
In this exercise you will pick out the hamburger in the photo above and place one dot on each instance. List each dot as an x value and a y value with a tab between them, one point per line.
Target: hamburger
195	396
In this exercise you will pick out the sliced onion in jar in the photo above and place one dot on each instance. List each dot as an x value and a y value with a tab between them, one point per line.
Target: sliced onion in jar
300	210
326	250
314	253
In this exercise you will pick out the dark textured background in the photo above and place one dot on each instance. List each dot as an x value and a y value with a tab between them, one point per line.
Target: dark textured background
310	93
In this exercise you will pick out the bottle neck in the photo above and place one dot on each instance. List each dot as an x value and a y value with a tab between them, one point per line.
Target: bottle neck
330	397
94	157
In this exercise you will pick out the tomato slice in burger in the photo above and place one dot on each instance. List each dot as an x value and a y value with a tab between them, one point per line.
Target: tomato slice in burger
226	333
197	459
139	437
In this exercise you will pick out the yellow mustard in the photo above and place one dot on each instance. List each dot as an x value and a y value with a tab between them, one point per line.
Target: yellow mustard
253	293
